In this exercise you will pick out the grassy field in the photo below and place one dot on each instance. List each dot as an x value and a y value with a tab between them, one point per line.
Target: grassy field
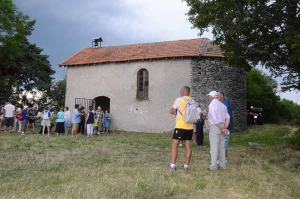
131	165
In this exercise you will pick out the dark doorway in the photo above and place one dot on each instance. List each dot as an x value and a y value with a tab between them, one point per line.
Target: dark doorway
102	101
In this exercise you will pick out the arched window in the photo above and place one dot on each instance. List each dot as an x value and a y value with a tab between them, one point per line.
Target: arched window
142	84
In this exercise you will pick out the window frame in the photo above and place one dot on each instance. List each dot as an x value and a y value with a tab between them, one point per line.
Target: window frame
142	91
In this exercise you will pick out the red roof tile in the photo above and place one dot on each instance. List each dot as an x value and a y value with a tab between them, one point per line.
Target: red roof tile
167	49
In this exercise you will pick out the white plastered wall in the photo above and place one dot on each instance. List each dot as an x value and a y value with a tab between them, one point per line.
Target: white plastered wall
118	81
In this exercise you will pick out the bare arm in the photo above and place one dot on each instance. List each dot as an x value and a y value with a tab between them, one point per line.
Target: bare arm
173	111
227	120
87	117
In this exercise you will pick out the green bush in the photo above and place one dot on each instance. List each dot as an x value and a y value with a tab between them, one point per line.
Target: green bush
294	140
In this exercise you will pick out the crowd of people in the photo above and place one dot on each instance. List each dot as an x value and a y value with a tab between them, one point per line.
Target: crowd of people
220	125
19	118
94	122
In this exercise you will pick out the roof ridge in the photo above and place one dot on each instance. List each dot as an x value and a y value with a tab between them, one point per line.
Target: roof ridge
158	42
183	48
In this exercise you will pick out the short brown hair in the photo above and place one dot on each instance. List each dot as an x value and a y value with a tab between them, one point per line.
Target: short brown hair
221	93
186	89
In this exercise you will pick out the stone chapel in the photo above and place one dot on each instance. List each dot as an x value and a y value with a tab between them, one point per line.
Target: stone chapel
138	83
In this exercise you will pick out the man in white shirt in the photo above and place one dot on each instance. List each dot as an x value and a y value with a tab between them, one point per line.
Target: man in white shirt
9	112
218	119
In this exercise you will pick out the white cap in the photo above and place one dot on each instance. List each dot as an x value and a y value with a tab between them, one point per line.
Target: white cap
213	94
25	107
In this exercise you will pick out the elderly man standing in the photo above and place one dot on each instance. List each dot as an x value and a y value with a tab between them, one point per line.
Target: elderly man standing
182	131
218	119
99	117
221	98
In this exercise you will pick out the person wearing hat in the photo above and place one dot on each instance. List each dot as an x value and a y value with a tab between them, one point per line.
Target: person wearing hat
218	119
24	119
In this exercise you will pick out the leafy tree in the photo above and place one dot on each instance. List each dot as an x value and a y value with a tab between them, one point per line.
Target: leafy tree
14	25
252	32
261	92
56	95
289	111
23	67
29	71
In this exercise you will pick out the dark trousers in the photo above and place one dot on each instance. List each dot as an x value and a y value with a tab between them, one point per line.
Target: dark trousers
199	133
81	127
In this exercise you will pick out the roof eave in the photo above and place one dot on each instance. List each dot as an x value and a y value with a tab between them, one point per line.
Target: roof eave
127	60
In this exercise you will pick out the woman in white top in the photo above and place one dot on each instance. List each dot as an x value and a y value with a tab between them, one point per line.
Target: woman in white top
67	119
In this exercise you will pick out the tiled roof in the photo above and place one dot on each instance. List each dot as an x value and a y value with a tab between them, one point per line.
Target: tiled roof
147	51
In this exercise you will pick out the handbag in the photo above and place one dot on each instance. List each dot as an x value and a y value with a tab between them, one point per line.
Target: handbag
20	116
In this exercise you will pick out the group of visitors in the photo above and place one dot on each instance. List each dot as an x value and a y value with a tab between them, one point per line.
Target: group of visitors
220	124
94	121
219	118
23	116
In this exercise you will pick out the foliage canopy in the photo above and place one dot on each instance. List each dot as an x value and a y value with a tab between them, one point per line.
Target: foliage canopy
23	67
261	92
253	32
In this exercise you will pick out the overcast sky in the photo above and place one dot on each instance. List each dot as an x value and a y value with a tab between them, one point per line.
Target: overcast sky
63	27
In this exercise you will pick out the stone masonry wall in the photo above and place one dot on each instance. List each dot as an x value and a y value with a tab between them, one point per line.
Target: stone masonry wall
213	74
